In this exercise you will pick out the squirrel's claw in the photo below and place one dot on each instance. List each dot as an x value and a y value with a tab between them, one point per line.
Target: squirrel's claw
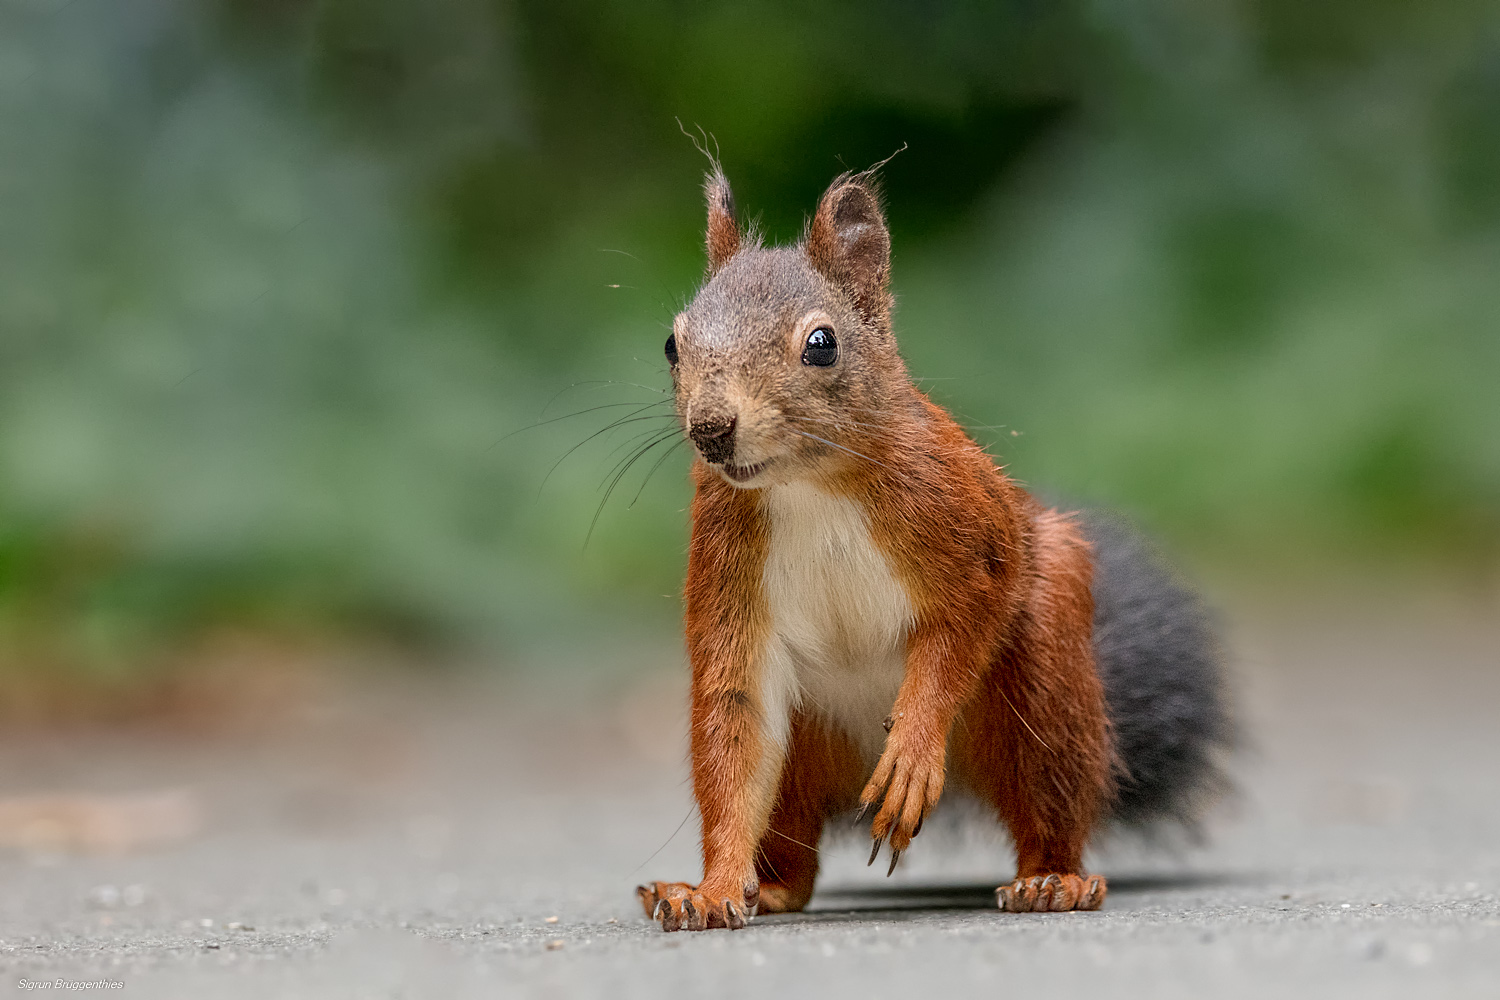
677	906
907	783
1054	892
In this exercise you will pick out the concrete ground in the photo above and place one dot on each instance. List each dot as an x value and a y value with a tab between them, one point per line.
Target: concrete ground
452	838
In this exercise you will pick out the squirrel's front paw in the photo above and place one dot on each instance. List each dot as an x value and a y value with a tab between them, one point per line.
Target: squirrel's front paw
907	781
678	906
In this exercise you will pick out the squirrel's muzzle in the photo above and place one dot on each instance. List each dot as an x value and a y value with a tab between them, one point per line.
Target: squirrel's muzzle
714	438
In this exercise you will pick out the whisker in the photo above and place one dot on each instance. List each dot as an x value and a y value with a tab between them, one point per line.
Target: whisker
664	456
633	439
835	444
1033	732
657	438
598	383
664	843
629	446
577	413
627	419
650	363
619	467
760	850
793	840
602	406
660	285
641	453
593	383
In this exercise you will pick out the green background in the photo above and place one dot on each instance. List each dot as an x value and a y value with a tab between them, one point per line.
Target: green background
280	281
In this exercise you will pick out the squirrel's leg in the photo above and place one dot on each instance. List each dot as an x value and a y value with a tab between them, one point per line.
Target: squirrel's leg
821	777
740	728
1035	741
744	686
943	667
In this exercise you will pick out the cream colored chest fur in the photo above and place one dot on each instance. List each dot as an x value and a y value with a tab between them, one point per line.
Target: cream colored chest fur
839	617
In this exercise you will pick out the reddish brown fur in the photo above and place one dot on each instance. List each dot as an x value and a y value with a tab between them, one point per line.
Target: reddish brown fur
999	680
821	778
722	235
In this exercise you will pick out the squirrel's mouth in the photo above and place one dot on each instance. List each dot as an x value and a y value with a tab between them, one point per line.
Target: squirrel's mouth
744	473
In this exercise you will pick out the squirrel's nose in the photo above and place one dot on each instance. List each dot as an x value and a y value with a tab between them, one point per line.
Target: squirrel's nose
714	437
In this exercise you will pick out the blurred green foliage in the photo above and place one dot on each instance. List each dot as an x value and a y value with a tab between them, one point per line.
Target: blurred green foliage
281	280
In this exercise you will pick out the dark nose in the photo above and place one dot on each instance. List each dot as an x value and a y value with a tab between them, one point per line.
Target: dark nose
714	437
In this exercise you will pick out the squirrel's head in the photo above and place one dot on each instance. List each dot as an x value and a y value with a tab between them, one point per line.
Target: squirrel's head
784	366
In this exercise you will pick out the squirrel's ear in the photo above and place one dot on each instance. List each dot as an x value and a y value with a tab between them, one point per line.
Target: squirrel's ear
723	235
849	243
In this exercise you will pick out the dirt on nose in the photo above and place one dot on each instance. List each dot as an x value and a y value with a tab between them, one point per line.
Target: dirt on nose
714	437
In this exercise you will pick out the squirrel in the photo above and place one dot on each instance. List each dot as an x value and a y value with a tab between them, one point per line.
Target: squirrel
875	611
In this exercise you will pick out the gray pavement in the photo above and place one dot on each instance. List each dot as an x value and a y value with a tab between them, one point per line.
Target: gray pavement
407	838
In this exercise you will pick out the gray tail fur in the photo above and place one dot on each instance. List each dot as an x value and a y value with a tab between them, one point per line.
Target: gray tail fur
1160	660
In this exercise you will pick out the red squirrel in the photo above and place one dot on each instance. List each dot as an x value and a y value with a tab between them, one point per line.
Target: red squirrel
875	612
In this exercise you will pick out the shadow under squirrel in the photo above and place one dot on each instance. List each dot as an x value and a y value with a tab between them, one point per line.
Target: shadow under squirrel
874	610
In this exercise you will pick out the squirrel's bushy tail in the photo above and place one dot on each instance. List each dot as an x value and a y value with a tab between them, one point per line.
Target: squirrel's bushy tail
1160	660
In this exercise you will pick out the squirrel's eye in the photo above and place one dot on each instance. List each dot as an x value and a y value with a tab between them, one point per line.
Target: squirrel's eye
821	350
671	350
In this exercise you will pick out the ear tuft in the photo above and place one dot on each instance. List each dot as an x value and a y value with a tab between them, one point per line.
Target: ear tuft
849	243
723	234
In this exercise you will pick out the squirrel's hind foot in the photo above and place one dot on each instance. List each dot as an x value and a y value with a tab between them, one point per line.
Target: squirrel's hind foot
776	897
1052	893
